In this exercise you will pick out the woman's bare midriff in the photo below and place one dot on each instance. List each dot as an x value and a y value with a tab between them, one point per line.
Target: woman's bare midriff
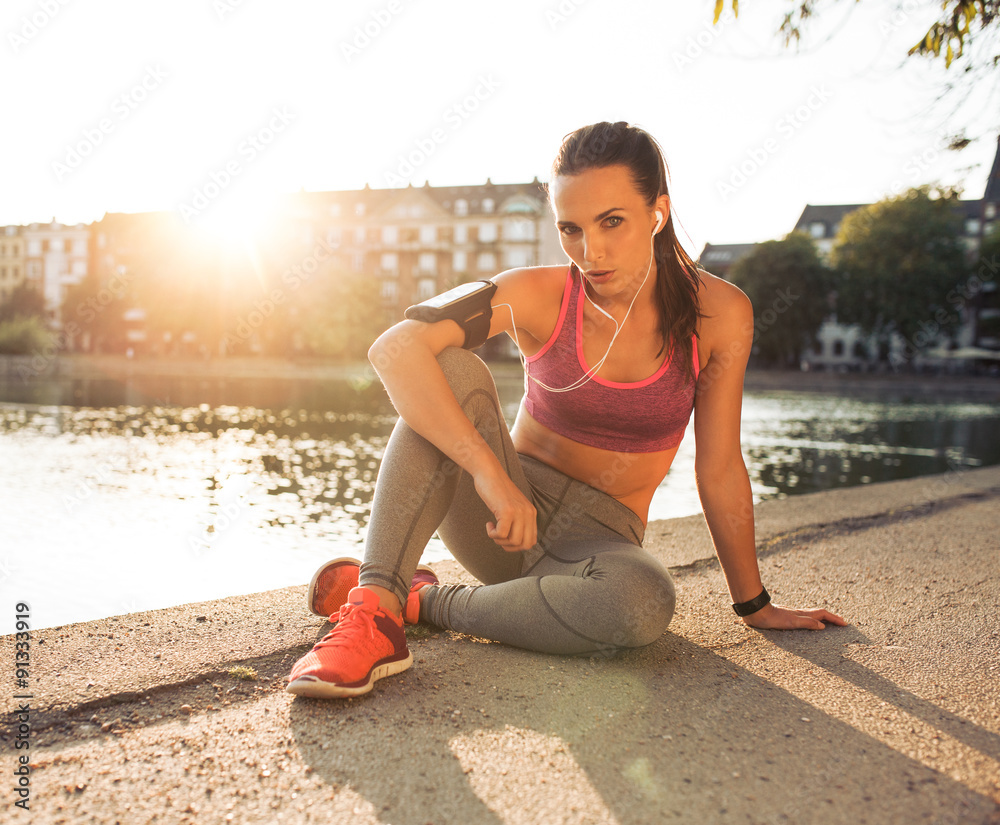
631	478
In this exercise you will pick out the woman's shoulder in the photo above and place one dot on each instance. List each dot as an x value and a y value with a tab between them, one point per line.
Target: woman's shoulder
536	277
534	294
724	306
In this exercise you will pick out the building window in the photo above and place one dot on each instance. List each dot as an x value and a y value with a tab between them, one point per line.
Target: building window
459	261
519	256
427	262
334	210
359	209
3	249
57	245
991	211
390	263
390	234
487	232
390	291
486	261
817	229
333	236
461	233
3	273
359	235
461	208
519	230
79	267
426	288
15	272
428	234
358	261
79	247
488	205
972	226
34	247
838	348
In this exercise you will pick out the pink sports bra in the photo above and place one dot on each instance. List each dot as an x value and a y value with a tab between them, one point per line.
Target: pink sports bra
638	417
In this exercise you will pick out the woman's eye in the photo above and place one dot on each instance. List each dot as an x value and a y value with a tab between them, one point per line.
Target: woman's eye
616	219
567	230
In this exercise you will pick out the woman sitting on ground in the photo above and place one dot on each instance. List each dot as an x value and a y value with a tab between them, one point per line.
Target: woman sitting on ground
619	348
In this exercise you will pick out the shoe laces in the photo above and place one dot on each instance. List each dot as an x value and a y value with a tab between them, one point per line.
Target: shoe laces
352	621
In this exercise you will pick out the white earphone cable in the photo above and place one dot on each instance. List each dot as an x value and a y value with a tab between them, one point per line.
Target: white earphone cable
589	374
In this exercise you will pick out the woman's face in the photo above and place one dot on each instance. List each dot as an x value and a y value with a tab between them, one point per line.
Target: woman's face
606	228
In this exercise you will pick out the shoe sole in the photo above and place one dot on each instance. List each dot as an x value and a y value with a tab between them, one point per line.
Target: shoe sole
314	582
318	689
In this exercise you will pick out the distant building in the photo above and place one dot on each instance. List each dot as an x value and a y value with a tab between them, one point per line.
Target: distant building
841	346
55	256
720	258
414	242
419	241
12	269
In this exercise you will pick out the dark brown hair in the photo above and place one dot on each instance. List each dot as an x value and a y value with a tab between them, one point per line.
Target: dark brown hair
677	279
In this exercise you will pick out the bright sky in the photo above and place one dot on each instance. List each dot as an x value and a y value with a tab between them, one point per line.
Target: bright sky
115	105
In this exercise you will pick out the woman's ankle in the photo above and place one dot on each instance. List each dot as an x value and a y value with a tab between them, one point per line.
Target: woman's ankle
387	600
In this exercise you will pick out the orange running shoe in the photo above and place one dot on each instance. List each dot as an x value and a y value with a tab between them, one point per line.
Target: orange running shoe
423	577
367	644
332	583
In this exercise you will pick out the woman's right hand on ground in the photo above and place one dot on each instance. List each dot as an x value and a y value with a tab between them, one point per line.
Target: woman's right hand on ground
515	527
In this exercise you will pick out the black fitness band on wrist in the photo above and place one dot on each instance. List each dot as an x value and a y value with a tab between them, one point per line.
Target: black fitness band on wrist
752	606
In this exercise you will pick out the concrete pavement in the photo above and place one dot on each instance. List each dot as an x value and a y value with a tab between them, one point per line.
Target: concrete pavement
895	718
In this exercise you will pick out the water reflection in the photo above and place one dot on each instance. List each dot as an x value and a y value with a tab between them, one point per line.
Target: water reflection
113	506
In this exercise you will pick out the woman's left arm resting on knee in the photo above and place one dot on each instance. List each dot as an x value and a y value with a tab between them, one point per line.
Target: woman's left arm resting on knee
723	483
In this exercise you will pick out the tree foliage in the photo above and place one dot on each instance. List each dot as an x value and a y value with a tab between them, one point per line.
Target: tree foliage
961	22
900	265
788	286
24	301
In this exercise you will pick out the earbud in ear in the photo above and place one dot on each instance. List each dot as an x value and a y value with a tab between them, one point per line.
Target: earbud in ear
659	220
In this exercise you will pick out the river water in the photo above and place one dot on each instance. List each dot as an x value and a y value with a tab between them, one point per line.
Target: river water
119	497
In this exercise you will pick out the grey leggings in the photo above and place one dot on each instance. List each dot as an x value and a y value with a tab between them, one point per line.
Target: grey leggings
586	587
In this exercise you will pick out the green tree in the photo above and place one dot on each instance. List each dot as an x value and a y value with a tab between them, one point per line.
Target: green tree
788	286
23	336
898	262
24	301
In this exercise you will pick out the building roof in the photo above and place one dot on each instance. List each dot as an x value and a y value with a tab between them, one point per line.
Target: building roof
830	215
992	192
718	258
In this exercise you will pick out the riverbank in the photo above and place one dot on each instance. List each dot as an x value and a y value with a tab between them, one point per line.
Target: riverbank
180	715
120	368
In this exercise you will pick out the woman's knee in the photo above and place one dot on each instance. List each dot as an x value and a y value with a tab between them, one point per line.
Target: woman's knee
645	604
464	370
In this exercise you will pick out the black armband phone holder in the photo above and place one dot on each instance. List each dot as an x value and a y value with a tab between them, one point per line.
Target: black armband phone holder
468	305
